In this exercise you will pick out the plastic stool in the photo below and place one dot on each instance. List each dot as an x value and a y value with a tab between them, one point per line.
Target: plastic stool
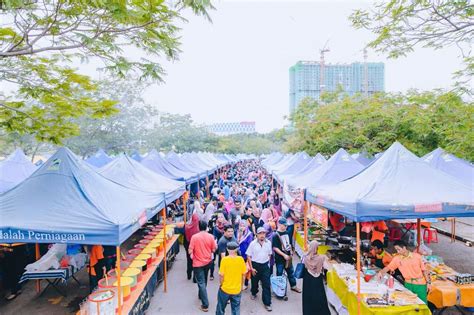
394	234
430	236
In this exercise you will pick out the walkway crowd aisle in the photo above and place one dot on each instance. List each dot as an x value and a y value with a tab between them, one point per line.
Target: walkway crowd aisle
182	297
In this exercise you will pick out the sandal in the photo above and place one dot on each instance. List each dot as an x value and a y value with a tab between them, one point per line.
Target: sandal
11	297
204	309
296	289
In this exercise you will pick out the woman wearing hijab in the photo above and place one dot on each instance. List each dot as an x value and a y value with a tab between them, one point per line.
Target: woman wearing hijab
277	204
198	209
244	238
229	205
269	216
190	229
314	295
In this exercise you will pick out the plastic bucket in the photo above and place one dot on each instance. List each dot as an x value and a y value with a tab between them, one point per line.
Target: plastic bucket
110	286
102	302
149	237
150	251
139	246
135	274
145	241
125	283
144	257
140	264
135	252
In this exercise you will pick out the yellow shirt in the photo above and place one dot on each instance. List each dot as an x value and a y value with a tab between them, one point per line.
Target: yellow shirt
232	269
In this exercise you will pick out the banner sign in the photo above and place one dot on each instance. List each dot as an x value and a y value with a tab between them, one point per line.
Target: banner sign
319	215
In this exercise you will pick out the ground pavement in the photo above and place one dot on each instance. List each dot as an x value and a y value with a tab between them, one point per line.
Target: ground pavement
182	299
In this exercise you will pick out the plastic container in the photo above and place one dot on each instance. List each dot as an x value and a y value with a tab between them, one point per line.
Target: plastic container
149	237
123	265
323	249
145	257
139	246
135	252
104	285
140	264
150	251
102	302
125	283
146	241
135	274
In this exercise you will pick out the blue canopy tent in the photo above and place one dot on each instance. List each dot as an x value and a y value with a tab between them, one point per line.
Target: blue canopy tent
15	169
66	201
297	165
398	185
181	164
283	163
99	159
131	174
156	163
362	158
459	168
281	168
273	159
136	156
317	161
338	168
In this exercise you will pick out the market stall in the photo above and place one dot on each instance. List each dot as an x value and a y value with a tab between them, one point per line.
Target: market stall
66	201
398	185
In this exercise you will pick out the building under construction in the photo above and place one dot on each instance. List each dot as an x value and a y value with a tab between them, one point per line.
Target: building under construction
310	78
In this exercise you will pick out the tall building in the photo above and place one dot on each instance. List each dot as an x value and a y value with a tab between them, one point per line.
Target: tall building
305	79
229	128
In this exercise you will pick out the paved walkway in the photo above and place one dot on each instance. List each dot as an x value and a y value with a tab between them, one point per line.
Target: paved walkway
464	227
182	299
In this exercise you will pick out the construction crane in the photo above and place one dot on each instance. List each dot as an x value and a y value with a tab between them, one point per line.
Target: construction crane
322	66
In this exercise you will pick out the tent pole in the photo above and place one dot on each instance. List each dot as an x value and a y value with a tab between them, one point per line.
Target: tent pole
453	230
119	276
418	235
185	204
37	256
164	253
305	226
358	266
207	188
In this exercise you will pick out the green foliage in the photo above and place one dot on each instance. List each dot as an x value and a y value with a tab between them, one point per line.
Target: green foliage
39	38
400	26
420	121
248	143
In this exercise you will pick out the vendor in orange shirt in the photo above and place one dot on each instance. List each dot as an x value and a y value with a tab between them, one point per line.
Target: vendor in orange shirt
378	255
412	268
96	265
337	222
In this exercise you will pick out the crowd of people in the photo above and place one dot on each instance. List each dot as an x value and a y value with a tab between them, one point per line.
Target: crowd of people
244	233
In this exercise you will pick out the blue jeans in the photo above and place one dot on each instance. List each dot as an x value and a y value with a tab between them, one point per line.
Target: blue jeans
200	274
222	299
289	272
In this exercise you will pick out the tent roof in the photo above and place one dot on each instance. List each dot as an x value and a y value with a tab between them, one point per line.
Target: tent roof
99	159
297	165
459	168
131	174
397	185
183	165
338	168
136	156
14	169
362	158
156	163
66	201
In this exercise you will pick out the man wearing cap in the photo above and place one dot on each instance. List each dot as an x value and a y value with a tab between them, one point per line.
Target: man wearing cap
231	274
283	254
259	253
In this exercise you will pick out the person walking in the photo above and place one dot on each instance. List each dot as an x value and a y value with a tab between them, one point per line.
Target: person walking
258	254
201	250
231	274
190	229
314	294
227	237
283	254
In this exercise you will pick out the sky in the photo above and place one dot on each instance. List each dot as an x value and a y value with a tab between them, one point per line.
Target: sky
236	68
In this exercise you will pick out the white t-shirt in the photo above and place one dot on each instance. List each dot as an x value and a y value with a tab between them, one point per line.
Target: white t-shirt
260	253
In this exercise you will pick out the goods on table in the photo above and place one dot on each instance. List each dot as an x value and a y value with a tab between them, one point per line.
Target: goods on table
102	302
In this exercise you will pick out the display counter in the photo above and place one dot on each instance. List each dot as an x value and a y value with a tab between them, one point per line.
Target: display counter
140	298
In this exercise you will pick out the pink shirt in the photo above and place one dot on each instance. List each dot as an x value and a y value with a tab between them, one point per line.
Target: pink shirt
201	248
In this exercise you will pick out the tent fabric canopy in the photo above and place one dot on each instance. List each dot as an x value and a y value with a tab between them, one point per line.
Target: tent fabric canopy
15	169
338	168
295	167
99	159
131	174
66	201
181	164
156	163
397	185
459	168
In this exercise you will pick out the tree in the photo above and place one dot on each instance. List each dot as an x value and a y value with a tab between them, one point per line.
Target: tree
421	121
401	25
123	132
39	38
